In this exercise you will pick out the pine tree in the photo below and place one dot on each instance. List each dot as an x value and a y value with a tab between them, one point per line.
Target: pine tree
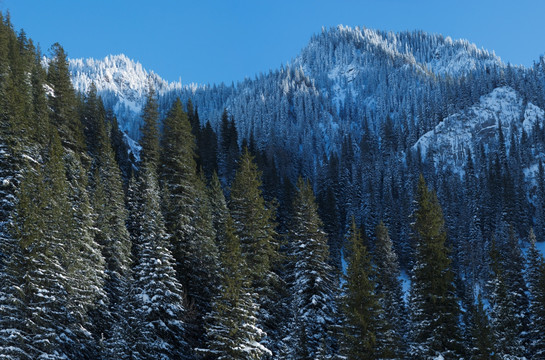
231	325
63	102
434	308
156	295
42	224
110	218
255	227
481	338
360	303
508	342
187	212
391	337
313	285
149	155
535	276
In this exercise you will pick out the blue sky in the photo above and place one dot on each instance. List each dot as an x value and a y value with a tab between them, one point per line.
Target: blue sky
207	41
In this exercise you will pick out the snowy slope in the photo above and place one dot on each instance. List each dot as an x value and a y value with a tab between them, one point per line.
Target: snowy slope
122	83
448	144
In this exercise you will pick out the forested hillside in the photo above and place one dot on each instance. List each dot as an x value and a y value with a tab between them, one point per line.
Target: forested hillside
379	197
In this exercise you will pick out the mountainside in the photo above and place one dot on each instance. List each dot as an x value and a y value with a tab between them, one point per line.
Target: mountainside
361	112
343	82
122	83
451	141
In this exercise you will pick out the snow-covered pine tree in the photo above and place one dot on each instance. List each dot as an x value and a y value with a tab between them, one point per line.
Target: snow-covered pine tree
187	213
535	276
504	321
231	325
156	296
434	308
149	155
481	338
360	303
110	219
255	227
313	286
391	337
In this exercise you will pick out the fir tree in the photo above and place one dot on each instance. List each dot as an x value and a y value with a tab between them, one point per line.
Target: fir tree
434	308
360	303
481	337
313	287
391	337
187	211
156	294
231	325
255	227
535	276
505	325
63	102
149	155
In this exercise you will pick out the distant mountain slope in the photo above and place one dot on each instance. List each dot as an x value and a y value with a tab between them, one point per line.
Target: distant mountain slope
122	83
478	126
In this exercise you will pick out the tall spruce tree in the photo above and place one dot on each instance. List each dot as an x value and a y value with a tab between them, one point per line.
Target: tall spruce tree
433	304
150	131
313	285
187	213
156	294
110	217
481	338
508	343
391	338
535	276
360	302
231	325
255	227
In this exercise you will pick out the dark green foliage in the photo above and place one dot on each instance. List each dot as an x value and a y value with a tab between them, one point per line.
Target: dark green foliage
360	303
255	227
187	213
391	335
62	100
481	336
149	155
313	287
156	296
231	325
535	276
433	304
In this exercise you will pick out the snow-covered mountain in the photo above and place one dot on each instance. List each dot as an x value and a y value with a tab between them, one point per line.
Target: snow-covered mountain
362	112
400	91
123	85
450	141
339	61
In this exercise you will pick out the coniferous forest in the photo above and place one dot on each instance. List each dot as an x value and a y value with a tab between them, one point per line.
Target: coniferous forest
226	239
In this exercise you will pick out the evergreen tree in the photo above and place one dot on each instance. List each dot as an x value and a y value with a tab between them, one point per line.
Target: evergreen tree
360	305
149	155
391	337
110	218
231	325
536	286
63	102
504	321
255	227
313	286
187	211
156	294
434	308
481	338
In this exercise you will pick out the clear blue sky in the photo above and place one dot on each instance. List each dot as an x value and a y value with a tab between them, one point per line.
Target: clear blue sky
208	41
